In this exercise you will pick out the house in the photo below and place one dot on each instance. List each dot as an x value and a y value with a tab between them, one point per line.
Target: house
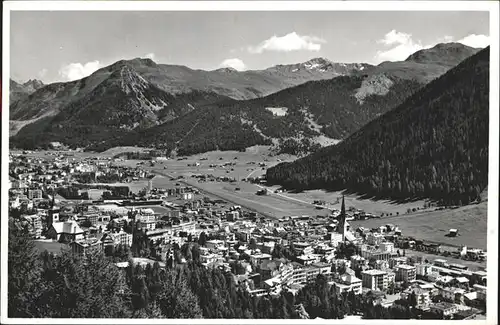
214	244
303	248
86	246
445	309
375	239
461	282
358	262
120	238
453	294
347	282
34	225
423	296
396	261
66	231
257	259
309	259
481	291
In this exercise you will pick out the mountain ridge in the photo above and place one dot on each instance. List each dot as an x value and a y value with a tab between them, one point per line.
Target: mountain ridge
295	119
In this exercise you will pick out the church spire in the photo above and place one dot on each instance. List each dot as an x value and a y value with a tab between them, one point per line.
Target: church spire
342	209
53	203
342	224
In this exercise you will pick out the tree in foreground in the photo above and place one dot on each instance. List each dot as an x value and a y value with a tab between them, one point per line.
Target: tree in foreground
25	287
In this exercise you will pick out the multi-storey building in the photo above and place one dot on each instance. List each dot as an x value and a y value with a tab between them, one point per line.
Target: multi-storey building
406	273
86	246
34	225
381	265
395	261
375	279
423	296
452	294
423	269
375	254
299	274
257	259
303	248
122	238
387	247
34	194
374	239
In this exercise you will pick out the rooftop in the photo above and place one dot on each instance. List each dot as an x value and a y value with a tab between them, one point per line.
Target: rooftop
374	272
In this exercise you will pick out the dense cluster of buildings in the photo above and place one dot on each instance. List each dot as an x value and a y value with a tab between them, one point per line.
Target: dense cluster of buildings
271	255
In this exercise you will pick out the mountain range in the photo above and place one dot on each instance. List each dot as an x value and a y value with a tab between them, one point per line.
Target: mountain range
434	145
21	90
296	107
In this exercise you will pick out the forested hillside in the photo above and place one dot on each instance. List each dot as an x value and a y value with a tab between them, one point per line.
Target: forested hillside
326	108
124	101
434	145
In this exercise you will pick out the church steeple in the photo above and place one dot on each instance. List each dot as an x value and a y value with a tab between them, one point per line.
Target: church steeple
342	209
342	225
53	203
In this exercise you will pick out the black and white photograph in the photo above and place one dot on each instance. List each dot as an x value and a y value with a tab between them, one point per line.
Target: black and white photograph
236	162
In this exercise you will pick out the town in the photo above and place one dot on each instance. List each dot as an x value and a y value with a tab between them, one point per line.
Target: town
73	204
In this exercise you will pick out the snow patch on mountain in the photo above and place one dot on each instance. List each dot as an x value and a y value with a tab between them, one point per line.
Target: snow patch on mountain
310	66
278	111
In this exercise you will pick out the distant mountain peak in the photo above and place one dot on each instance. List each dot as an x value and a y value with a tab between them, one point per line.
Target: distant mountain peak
443	53
318	60
35	83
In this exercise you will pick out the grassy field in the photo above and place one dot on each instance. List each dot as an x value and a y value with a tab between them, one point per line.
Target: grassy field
246	165
51	246
471	222
472	265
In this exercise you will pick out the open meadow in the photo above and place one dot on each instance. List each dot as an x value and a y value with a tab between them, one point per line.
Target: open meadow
471	222
246	164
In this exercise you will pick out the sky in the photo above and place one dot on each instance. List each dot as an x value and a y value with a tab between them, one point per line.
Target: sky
61	46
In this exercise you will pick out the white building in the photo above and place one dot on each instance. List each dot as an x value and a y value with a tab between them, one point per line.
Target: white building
375	279
387	247
347	282
406	273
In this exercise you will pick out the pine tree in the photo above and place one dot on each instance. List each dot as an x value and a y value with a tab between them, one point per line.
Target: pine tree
24	272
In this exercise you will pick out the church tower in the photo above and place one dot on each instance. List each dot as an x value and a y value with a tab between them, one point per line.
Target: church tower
341	228
53	212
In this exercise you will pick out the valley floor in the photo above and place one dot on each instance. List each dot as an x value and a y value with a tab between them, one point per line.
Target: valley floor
429	225
471	222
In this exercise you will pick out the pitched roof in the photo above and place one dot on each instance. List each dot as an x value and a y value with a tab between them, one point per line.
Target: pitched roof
68	227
